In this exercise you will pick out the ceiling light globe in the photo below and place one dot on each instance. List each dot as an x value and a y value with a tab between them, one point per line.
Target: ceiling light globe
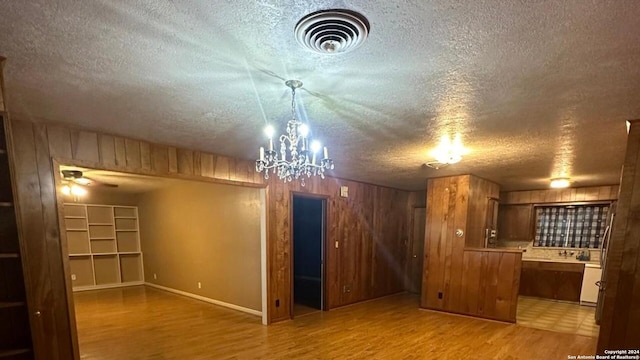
83	181
269	131
316	146
303	130
77	190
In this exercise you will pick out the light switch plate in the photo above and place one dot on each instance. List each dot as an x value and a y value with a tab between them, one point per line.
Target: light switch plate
344	191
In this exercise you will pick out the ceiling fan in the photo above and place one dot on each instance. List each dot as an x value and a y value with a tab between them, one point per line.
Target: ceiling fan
77	177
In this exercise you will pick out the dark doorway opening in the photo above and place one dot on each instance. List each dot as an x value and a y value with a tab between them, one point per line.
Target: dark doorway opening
308	253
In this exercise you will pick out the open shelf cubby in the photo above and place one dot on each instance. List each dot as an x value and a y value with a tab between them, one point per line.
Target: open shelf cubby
103	245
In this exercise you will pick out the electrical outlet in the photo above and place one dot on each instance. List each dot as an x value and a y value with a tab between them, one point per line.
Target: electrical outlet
73	276
199	285
346	289
440	295
155	277
277	302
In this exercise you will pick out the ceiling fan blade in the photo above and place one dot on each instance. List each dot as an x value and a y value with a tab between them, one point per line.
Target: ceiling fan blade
100	183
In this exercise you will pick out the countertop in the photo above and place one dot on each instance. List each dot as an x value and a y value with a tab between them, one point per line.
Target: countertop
591	263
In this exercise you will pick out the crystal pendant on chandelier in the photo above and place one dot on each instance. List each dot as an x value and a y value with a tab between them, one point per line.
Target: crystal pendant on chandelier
298	156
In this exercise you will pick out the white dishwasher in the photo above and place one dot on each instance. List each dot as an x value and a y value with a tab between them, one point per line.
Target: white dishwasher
589	292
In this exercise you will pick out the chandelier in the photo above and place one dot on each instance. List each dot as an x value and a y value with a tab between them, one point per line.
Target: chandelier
298	158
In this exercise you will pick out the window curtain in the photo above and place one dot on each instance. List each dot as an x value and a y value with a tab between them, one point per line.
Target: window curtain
573	226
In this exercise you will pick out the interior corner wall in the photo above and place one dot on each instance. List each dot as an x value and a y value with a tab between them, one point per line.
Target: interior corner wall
202	232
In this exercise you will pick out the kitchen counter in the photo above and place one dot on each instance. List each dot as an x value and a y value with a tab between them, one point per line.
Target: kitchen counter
560	260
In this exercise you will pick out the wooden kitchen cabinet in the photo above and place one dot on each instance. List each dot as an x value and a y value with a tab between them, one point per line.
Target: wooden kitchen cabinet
515	222
551	280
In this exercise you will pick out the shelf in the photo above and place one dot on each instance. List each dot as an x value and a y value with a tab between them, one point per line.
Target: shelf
12	304
6	204
9	256
14	352
107	253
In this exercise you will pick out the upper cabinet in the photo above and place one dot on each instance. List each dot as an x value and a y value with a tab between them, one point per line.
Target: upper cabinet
515	222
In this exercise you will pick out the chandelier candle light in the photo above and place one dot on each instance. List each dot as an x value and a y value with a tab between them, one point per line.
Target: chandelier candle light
301	158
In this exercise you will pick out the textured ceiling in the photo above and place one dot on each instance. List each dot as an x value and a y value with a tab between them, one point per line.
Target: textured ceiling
538	89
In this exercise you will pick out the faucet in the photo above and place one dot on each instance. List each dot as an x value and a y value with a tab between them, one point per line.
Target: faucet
565	253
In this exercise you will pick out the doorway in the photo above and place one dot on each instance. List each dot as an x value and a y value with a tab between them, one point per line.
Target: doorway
309	219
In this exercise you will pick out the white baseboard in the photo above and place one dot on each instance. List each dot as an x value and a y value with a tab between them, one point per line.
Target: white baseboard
206	299
107	286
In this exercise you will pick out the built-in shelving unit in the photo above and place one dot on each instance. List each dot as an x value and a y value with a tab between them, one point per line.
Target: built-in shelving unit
103	243
15	332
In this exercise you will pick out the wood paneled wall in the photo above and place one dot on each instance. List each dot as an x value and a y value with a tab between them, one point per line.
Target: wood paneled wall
371	230
593	193
480	191
371	226
620	325
461	279
490	283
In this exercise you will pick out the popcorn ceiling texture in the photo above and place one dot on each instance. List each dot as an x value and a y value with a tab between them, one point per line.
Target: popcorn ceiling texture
537	89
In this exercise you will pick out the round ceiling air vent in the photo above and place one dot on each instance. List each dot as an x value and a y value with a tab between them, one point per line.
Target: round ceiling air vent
331	32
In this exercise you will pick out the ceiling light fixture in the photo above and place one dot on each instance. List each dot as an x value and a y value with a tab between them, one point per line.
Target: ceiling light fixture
560	183
73	189
448	152
301	158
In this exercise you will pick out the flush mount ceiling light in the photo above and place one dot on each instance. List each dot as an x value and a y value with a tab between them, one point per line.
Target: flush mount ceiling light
560	183
448	152
332	32
300	160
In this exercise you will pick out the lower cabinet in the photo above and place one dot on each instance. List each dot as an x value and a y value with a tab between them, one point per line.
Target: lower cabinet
551	280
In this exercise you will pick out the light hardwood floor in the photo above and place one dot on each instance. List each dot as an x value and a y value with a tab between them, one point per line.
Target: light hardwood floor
146	323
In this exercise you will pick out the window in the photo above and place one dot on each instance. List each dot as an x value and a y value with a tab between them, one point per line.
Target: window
578	226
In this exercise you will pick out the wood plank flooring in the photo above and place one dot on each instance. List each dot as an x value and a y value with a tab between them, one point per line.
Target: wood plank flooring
146	323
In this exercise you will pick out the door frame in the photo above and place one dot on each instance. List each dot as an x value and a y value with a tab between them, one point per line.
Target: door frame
323	253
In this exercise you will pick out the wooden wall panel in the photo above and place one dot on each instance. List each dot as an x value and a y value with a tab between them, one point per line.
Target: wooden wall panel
132	154
620	324
49	313
59	142
145	155
107	147
458	276
121	153
84	146
184	160
480	192
371	227
594	193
